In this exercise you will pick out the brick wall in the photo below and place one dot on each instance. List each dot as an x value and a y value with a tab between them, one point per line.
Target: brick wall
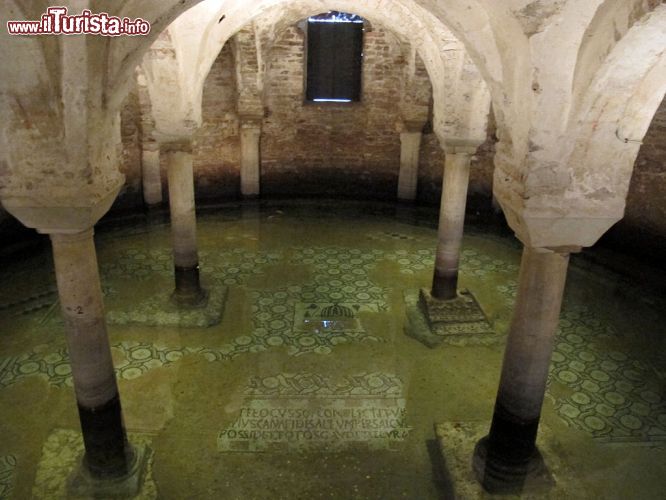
332	149
216	145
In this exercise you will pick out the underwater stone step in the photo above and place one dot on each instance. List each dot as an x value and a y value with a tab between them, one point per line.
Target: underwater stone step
36	301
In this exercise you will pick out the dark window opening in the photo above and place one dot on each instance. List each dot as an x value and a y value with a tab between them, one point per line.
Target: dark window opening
335	55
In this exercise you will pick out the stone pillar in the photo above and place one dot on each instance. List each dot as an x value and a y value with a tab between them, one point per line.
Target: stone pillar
150	169
451	223
108	454
188	290
410	148
504	458
250	137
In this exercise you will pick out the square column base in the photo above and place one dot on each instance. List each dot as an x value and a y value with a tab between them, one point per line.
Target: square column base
161	310
460	321
60	463
456	443
81	484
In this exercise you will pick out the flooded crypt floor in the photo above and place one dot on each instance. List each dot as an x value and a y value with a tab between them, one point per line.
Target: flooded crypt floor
298	380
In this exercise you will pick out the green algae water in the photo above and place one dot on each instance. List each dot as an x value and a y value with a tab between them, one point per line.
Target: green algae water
297	379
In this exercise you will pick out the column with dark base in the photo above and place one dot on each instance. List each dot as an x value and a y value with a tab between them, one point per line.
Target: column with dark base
108	454
451	223
188	291
504	458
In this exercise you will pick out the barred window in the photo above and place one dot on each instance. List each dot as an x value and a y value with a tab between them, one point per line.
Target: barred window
335	55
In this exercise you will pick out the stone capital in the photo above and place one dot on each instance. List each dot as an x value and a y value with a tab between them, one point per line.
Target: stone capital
411	126
70	213
151	146
563	250
179	145
250	121
455	146
83	235
552	229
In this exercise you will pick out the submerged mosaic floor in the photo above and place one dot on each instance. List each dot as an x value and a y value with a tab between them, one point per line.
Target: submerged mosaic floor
615	398
299	303
7	468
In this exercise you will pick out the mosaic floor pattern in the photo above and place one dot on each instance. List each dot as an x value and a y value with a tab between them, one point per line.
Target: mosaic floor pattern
7	468
615	398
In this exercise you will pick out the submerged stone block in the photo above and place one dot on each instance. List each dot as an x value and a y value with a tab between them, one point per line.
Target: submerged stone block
456	442
160	310
459	322
82	484
58	471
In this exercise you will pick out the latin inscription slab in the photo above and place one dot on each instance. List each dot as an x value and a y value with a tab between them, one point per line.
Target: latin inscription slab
305	411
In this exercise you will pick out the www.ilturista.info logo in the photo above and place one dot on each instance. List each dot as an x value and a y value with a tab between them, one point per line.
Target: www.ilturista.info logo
56	21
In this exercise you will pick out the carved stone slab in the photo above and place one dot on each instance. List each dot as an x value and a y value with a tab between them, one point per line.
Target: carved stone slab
311	412
460	321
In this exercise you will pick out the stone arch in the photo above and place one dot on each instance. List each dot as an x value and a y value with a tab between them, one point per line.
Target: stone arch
400	21
473	22
174	114
611	21
28	100
615	114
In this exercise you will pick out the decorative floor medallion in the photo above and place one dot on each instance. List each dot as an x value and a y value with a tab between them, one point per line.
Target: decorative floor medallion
323	318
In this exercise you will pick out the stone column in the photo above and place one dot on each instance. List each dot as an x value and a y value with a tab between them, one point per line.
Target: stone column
188	290
410	148
250	137
503	459
150	168
107	452
451	222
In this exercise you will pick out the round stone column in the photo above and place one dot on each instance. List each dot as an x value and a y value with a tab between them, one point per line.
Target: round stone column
107	451
250	139
410	149
151	178
504	458
451	225
188	290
